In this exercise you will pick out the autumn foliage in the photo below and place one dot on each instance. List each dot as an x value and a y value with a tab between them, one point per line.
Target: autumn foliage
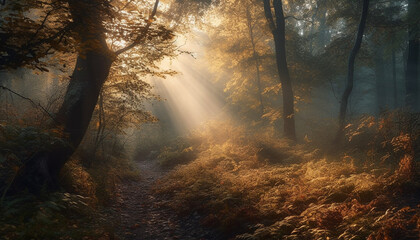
256	186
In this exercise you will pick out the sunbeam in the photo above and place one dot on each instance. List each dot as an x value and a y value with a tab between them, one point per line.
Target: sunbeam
189	98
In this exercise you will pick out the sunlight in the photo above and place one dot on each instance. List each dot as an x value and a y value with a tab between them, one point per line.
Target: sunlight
189	97
209	119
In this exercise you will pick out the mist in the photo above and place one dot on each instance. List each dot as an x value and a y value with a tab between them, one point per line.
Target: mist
215	120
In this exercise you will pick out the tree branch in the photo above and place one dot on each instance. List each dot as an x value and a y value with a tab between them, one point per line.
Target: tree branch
42	24
30	100
143	34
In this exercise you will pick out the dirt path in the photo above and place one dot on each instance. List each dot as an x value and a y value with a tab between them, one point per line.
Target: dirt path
142	216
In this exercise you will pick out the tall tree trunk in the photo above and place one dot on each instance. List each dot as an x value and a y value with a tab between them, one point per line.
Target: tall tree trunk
90	73
412	75
380	78
256	58
278	29
92	68
394	79
350	73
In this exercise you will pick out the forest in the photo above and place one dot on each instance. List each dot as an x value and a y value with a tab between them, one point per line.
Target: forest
209	119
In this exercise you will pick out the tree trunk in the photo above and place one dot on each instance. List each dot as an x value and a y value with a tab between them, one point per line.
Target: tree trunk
90	73
82	94
256	59
92	68
350	73
394	79
380	78
278	29
412	75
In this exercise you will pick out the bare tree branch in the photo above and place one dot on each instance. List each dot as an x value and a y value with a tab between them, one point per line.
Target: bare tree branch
30	100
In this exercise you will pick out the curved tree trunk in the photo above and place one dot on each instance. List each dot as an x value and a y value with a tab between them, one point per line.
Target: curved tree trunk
91	70
90	73
350	73
278	29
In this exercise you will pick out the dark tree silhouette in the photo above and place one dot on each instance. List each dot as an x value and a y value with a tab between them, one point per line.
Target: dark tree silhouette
278	29
350	72
94	61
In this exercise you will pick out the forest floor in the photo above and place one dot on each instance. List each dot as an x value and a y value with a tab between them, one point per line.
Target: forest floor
142	215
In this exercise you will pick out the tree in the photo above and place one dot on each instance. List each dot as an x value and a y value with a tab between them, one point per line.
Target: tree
380	76
278	30
87	33
350	74
412	75
387	36
250	25
243	61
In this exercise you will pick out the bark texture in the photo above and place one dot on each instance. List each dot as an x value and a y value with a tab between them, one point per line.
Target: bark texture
350	73
278	29
92	68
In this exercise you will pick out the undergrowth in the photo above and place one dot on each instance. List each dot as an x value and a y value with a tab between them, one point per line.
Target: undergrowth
87	181
257	186
51	216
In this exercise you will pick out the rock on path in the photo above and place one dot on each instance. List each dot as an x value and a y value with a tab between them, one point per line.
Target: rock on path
141	217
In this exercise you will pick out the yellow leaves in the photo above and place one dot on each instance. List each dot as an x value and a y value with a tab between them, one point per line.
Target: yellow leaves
403	142
273	89
365	123
272	115
290	116
189	149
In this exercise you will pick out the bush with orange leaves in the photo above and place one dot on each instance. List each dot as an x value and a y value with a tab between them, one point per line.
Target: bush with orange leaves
392	138
254	186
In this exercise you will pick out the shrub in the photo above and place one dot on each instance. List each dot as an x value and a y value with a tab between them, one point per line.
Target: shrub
52	216
262	187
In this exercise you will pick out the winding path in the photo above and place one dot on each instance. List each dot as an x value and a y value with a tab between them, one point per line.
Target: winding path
142	215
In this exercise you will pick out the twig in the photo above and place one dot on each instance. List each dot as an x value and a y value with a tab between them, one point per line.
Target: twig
30	100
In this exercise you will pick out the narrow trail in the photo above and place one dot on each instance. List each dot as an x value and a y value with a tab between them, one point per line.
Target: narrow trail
142	215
